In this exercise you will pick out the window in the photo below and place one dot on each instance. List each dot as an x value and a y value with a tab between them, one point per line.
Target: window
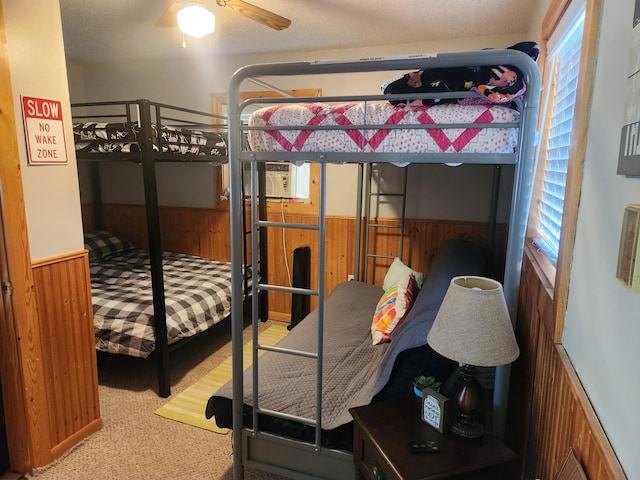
297	186
557	124
568	58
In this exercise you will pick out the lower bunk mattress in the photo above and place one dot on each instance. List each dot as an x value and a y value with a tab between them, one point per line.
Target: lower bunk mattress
197	295
355	371
331	128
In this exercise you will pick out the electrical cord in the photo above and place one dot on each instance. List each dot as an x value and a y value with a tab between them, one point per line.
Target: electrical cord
284	244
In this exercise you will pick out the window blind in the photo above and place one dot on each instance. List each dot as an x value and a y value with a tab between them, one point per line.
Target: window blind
564	60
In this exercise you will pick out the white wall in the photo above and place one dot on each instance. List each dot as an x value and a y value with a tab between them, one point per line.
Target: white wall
602	327
37	62
461	194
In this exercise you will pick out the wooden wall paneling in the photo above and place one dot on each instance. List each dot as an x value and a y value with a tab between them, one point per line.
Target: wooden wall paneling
523	369
193	231
340	250
587	436
280	258
69	359
205	232
127	220
196	231
549	412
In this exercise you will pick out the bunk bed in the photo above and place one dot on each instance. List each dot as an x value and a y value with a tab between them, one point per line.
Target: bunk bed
282	451
135	292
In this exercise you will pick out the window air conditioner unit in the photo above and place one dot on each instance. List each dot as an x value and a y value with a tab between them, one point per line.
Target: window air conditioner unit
280	179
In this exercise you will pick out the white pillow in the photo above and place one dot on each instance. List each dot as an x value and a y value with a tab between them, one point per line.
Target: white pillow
398	270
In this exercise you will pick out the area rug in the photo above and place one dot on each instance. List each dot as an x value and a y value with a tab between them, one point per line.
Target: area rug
189	406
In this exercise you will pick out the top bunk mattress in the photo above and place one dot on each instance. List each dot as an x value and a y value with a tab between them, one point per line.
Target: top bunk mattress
360	127
121	137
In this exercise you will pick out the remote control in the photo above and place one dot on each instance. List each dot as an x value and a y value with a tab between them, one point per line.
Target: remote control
423	447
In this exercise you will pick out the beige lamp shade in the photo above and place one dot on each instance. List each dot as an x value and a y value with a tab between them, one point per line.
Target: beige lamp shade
473	326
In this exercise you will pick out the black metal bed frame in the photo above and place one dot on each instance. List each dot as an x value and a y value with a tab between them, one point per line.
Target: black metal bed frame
148	113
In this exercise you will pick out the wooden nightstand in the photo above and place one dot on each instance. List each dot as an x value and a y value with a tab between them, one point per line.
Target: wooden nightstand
381	434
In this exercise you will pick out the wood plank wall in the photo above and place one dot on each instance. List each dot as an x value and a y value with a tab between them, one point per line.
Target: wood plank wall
549	411
65	316
205	232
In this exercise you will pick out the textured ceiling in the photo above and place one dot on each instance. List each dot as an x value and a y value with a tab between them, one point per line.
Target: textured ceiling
103	31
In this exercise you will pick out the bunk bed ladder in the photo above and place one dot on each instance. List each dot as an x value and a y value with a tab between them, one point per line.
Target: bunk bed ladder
260	223
370	195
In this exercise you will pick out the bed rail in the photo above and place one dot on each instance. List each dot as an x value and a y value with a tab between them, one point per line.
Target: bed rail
157	117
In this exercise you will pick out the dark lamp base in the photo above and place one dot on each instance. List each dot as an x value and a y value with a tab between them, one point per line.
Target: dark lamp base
469	403
468	428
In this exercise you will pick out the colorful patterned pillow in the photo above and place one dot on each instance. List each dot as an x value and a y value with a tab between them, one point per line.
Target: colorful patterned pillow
101	243
392	308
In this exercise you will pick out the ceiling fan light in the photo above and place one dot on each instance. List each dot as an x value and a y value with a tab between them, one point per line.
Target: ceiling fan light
195	20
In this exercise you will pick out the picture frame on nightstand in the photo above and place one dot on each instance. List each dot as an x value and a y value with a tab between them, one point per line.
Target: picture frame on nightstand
434	409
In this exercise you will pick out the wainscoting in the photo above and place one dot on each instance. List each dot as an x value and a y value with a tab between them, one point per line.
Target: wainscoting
549	410
205	232
65	317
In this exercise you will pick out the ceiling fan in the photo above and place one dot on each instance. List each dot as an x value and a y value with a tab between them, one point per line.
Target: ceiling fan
265	17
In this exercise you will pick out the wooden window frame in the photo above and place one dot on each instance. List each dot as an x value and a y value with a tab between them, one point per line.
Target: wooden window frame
219	100
557	278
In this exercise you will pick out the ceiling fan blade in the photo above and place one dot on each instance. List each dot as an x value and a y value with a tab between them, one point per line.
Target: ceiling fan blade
169	17
258	14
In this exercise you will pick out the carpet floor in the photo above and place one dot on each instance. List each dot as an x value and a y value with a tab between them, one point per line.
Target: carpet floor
134	442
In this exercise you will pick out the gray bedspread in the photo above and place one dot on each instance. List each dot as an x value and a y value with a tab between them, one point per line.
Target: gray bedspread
288	383
354	370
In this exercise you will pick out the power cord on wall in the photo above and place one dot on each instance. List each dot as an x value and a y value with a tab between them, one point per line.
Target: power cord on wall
284	244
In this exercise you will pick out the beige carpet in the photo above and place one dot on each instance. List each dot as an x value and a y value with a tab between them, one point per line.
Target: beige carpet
134	442
189	406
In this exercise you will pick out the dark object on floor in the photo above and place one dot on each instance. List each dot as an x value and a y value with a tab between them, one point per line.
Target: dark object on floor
300	304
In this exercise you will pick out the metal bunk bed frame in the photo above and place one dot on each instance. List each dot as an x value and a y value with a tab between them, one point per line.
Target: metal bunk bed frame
291	457
148	113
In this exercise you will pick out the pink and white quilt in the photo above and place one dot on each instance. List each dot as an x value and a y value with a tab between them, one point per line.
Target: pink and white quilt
370	139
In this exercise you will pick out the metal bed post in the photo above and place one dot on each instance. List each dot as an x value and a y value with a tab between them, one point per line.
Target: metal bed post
97	196
263	299
367	216
236	199
357	267
321	262
155	248
520	203
493	209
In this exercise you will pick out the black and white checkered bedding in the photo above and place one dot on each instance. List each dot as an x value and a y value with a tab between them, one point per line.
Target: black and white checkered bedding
121	137
197	296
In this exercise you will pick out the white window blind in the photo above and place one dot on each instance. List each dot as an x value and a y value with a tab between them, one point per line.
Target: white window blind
564	63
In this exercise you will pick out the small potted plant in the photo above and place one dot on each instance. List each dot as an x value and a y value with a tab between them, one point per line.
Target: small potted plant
422	382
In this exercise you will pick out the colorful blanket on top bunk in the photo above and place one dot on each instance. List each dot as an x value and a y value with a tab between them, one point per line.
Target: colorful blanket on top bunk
495	84
363	124
123	137
379	139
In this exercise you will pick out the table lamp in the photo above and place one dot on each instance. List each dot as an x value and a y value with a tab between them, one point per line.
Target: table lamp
473	328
